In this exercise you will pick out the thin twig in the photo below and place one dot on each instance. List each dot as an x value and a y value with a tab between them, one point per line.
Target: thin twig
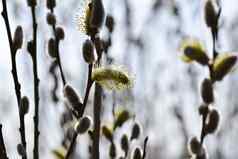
89	85
145	146
57	51
36	85
71	146
203	131
59	61
3	152
14	74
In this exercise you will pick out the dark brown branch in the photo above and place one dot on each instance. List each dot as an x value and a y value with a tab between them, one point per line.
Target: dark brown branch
14	74
3	152
97	106
36	85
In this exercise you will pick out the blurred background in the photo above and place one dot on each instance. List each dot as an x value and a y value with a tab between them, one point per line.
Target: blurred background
165	96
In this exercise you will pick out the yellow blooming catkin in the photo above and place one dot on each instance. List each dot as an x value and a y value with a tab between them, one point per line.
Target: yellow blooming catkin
84	16
112	77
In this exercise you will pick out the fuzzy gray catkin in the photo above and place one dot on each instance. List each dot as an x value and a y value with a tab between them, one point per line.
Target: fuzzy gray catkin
50	18
194	146
21	150
110	23
207	91
212	121
83	124
135	131
125	143
98	14
60	33
89	54
137	153
31	3
73	98
24	107
18	38
52	48
51	4
211	14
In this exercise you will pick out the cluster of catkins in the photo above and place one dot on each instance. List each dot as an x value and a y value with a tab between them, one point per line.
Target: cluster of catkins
219	66
125	142
110	77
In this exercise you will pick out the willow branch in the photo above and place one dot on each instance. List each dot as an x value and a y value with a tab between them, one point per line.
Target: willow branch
36	85
14	74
